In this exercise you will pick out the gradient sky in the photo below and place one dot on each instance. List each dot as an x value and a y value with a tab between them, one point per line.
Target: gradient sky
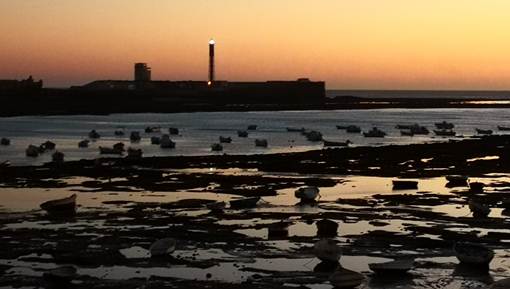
371	44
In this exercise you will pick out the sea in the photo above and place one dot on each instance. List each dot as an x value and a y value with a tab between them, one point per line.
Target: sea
199	130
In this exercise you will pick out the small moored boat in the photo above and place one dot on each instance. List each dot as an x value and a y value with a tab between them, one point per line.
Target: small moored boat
503	128
344	278
307	194
163	247
313	135
244	203
135	136
261	143
327	228
445	132
252	127
328	143
32	151
166	142
393	267
84	143
242	133
5	141
173	131
295	129
473	254
58	157
216	147
93	134
225	139
404	185
353	129
134	153
479	210
444	125
152	129
65	205
484	131
327	250
155	140
374	132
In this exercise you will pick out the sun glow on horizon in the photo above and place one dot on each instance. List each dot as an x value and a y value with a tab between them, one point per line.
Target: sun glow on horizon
371	44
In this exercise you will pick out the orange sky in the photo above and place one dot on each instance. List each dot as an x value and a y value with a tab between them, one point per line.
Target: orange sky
373	44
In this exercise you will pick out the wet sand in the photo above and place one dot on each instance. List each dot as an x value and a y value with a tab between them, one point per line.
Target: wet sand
125	205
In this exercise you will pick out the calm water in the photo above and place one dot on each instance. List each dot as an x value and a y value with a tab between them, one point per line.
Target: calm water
200	130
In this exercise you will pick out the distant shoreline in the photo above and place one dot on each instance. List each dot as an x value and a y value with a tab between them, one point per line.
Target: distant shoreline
338	103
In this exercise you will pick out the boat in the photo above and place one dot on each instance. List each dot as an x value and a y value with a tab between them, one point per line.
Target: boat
225	139
307	194
501	284
328	143
134	153
341	127
344	278
61	274
84	143
479	210
252	127
166	142
48	145
404	126
135	136
155	140
353	129
327	228
374	132
504	128
295	129
173	131
484	131
163	247
118	133
57	157
242	133
445	132
93	134
110	151
313	135
456	181
5	141
327	250
261	143
152	129
392	267
406	133
279	229
404	185
473	254
65	205
216	147
244	203
476	187
444	125
32	151
418	129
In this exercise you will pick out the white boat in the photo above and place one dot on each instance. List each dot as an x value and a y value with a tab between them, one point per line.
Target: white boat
163	247
392	267
65	205
327	250
307	194
473	254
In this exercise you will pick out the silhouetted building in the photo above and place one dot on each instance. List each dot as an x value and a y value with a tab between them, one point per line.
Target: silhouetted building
142	72
21	85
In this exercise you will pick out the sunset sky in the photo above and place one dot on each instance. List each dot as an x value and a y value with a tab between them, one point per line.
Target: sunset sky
370	44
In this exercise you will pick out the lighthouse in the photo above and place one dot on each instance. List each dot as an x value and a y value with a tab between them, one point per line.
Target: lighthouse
211	61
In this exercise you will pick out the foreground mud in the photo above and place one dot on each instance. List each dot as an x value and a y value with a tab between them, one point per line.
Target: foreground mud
125	205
